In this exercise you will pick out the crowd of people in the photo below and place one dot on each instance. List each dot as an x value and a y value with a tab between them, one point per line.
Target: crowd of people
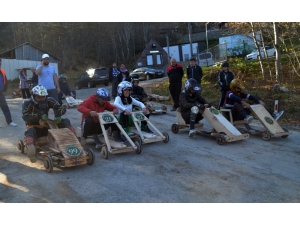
48	91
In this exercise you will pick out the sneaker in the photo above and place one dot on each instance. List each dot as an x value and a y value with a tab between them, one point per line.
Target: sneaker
128	132
192	133
31	153
82	141
277	115
248	119
12	124
146	129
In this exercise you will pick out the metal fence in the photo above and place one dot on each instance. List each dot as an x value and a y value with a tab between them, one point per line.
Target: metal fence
213	55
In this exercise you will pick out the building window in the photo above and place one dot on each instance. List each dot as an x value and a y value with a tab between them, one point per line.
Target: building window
159	59
149	60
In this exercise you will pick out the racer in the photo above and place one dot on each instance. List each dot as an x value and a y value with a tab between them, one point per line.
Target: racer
90	124
137	91
240	109
124	102
35	114
65	89
191	104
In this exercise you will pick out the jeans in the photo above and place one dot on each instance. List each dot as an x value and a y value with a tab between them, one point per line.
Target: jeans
5	109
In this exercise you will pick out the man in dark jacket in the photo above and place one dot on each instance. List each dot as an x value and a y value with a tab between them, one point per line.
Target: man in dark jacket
175	74
3	103
194	71
114	79
224	79
191	103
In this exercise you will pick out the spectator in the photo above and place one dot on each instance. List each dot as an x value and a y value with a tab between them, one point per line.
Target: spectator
35	114
175	74
114	79
48	77
194	71
24	85
90	124
124	74
65	89
224	79
3	103
34	79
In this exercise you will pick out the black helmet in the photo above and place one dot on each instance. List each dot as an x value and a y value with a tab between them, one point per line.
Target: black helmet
62	76
225	64
135	77
192	84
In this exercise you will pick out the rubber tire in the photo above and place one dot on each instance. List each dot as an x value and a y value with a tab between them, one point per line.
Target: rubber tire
139	148
266	135
286	130
21	146
104	152
174	128
48	164
221	139
139	140
91	155
167	138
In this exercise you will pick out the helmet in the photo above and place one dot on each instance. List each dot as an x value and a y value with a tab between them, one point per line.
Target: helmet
191	84
62	76
103	93
225	64
122	86
236	83
135	77
39	90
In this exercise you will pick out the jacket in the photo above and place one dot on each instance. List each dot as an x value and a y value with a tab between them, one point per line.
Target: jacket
111	75
138	93
91	104
224	80
5	79
194	72
175	73
186	101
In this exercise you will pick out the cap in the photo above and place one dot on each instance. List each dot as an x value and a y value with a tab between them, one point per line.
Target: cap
45	56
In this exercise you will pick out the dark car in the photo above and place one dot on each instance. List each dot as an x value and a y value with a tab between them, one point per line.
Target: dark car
93	77
146	73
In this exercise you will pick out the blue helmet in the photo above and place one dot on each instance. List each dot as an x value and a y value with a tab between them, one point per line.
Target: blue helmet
103	93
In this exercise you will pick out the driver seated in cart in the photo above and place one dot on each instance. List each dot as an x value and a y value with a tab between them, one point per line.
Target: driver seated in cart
190	103
137	91
35	114
90	124
124	102
240	109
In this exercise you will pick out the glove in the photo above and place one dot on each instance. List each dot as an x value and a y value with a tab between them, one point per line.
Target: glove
57	120
200	106
44	117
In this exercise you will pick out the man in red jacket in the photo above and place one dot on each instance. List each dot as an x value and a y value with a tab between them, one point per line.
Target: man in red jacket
175	74
90	124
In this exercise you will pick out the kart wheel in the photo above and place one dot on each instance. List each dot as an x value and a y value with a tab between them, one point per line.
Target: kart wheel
266	135
139	148
48	164
166	135
286	130
21	146
104	152
90	158
175	128
138	139
164	112
220	139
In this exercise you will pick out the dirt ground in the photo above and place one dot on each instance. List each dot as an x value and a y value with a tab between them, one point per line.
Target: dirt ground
184	170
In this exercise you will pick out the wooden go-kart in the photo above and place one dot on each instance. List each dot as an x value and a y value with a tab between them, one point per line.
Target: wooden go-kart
144	137
111	146
270	127
222	130
72	102
61	148
152	105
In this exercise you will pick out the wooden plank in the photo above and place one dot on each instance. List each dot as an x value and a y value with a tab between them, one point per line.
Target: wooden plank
261	112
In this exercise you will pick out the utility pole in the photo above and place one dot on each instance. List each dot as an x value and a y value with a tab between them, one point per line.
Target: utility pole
190	38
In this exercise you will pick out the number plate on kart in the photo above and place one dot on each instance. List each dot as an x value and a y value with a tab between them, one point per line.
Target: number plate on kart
139	116
73	150
107	118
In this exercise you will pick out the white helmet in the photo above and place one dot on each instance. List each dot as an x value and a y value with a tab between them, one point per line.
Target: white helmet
124	85
39	90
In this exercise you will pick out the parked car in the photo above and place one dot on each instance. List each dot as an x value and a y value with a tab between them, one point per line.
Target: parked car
254	54
93	77
146	73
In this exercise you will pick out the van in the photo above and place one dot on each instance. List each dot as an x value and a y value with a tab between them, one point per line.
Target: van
205	59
